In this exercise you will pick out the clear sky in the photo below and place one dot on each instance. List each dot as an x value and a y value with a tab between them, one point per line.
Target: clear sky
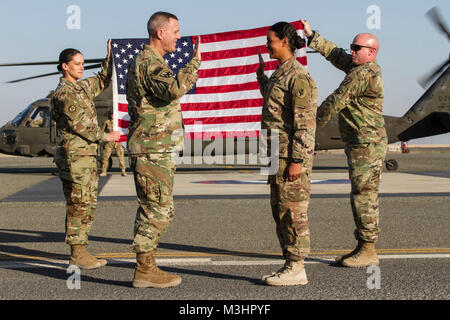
38	31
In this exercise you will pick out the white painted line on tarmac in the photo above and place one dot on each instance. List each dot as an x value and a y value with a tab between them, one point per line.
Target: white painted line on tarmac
414	256
63	264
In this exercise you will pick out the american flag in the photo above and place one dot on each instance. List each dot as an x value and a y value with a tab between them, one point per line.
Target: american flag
226	101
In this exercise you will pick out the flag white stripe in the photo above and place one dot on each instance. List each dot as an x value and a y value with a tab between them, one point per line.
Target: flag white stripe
237	44
124	116
226	80
238	126
211	97
216	97
233	44
222	112
242	61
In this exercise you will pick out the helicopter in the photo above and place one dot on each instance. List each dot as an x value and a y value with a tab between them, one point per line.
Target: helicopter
33	133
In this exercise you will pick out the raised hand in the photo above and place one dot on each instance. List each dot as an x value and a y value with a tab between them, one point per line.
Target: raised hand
197	53
306	28
261	66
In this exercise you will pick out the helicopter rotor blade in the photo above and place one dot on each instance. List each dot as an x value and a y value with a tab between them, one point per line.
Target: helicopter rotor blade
434	15
94	66
426	79
16	64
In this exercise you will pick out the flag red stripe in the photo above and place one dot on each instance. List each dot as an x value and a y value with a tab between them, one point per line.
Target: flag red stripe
123	107
233	53
233	35
228	88
123	123
221	134
237	70
240	34
221	105
216	120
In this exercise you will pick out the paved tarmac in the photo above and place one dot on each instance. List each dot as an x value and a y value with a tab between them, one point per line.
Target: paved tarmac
222	239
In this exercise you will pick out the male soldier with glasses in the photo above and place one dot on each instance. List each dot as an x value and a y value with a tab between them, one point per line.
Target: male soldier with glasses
358	101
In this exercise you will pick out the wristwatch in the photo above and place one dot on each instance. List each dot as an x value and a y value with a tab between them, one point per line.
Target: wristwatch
296	160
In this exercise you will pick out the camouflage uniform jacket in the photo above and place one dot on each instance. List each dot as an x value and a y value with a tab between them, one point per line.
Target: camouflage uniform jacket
153	106
359	98
290	105
75	115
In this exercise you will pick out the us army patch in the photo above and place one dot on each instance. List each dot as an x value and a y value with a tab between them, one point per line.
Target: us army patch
72	109
346	81
165	74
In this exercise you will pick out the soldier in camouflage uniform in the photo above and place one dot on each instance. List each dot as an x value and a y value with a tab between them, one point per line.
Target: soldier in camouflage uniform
108	147
74	112
155	135
358	102
290	103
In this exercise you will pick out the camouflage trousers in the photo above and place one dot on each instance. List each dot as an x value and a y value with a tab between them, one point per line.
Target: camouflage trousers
365	163
80	186
289	201
153	179
107	150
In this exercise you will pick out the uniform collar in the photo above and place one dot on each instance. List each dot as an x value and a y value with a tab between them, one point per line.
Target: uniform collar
285	65
368	63
68	83
154	52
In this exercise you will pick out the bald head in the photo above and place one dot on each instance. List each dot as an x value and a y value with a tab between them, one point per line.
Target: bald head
369	48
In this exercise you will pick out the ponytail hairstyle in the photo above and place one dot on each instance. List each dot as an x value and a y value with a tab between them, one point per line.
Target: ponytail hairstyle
66	56
287	30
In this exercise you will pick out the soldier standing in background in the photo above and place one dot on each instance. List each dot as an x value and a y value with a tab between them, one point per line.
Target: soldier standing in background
290	103
75	115
109	146
359	103
155	115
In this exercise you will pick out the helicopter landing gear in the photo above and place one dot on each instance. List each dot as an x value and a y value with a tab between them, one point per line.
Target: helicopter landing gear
391	164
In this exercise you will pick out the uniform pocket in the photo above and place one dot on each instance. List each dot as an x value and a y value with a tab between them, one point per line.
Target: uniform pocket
153	190
76	193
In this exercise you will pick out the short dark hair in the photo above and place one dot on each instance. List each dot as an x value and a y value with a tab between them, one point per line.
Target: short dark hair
156	20
66	56
287	30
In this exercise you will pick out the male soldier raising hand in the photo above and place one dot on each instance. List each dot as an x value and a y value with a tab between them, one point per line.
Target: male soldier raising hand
358	102
155	115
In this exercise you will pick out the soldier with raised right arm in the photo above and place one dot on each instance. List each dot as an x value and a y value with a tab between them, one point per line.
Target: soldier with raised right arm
358	103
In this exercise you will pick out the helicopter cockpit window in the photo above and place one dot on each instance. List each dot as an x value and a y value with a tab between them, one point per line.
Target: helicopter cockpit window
18	119
40	118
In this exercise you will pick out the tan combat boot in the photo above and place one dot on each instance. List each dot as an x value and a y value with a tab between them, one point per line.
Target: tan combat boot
124	173
364	257
273	273
293	273
83	259
147	274
345	256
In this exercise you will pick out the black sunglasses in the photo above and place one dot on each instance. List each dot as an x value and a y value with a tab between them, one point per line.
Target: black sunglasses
357	47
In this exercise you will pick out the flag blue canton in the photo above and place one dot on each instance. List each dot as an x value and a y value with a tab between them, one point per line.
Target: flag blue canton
125	50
